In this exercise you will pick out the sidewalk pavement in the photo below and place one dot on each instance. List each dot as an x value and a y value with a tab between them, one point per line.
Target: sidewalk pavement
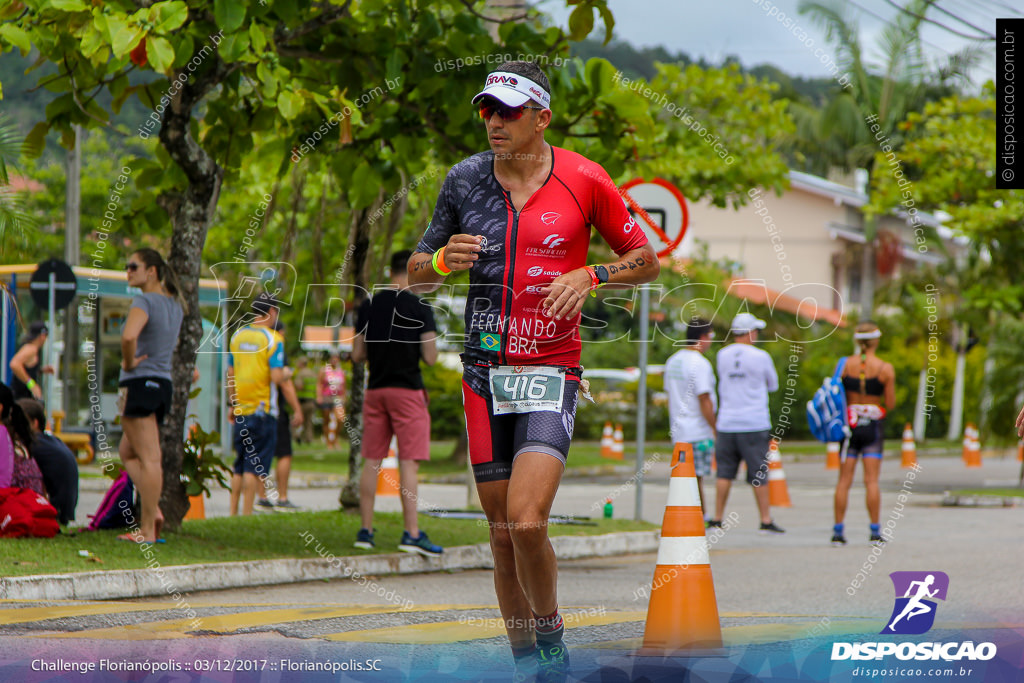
810	486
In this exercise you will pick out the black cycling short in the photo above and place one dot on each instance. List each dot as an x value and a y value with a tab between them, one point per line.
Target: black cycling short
496	440
145	396
867	439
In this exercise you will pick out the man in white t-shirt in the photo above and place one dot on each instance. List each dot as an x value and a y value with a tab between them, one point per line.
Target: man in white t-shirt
690	383
745	377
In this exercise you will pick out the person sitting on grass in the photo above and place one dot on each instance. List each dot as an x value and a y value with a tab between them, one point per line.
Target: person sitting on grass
55	460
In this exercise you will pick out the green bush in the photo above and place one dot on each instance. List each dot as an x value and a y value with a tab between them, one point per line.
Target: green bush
444	387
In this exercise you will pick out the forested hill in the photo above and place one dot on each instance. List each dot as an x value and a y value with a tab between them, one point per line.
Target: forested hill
634	62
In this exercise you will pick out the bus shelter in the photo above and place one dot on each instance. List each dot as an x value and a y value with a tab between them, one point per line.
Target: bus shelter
85	348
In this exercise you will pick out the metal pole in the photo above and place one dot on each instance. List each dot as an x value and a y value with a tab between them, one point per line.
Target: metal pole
641	400
48	355
228	422
3	340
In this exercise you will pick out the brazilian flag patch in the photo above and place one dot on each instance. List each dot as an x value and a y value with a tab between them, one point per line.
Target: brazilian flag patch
491	341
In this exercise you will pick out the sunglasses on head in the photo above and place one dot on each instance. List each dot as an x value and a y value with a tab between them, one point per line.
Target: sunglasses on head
490	107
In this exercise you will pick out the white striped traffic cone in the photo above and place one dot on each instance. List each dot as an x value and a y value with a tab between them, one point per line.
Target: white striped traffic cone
832	455
387	478
683	611
909	448
607	441
778	492
618	448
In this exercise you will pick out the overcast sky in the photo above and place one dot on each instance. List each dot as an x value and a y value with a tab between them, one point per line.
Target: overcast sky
719	28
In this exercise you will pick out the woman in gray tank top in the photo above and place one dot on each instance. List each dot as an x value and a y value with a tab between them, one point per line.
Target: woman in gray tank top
147	343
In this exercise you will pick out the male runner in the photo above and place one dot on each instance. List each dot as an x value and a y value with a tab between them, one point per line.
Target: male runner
519	218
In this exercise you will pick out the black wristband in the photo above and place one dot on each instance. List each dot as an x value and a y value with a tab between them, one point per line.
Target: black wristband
602	274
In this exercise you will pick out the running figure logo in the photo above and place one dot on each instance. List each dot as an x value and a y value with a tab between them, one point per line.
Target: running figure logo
913	612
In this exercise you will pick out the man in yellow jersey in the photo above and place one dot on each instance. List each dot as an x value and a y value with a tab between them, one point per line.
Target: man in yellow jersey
256	362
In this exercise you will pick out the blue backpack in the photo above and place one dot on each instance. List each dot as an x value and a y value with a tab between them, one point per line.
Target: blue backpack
826	412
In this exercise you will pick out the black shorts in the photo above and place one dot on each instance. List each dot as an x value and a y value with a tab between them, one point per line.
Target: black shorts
496	440
750	447
866	439
283	449
145	396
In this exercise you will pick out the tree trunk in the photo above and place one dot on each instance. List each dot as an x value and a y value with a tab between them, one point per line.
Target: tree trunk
460	454
298	187
360	244
191	213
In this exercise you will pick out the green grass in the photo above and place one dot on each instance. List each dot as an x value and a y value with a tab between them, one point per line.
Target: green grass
315	459
259	537
1004	492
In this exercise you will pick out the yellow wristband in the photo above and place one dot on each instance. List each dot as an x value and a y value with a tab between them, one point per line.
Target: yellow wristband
31	384
438	263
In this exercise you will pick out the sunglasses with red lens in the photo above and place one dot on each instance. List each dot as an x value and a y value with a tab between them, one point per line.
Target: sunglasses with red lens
507	113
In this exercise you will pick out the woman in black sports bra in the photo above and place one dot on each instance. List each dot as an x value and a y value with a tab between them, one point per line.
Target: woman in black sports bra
870	392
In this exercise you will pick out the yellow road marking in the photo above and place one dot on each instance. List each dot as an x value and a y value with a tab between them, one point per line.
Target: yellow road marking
471	629
228	623
22	615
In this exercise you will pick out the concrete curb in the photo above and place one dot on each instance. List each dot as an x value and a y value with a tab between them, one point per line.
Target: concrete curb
137	583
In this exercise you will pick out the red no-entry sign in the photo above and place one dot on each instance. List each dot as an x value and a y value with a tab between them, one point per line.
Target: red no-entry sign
661	210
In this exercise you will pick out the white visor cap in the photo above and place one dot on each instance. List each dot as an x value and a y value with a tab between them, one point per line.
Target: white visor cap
513	90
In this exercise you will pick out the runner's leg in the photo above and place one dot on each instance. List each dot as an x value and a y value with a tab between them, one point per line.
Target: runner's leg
531	491
872	468
515	608
846	471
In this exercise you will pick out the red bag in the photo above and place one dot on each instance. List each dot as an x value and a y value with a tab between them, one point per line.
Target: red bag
24	512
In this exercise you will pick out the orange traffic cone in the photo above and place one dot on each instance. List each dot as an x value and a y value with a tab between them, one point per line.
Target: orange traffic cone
972	447
778	492
683	611
196	508
387	477
832	456
909	447
607	440
618	449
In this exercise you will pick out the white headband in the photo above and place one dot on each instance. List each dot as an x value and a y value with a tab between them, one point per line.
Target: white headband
499	81
873	334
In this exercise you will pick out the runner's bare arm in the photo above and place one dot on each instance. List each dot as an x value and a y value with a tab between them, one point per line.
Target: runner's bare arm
459	254
567	292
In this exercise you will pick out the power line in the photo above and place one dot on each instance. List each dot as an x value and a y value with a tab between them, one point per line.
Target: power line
889	21
961	20
1004	6
921	17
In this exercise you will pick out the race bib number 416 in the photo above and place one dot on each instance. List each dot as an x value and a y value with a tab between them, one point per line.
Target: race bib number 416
526	389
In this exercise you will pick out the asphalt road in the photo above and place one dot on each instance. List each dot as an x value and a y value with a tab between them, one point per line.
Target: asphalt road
774	592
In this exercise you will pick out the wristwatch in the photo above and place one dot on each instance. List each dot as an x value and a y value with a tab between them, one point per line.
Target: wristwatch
602	274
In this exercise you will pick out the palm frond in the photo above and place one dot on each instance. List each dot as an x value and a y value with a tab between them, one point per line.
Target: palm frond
11	145
841	31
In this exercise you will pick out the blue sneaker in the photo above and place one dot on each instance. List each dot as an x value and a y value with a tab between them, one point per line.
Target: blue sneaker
553	662
421	545
364	539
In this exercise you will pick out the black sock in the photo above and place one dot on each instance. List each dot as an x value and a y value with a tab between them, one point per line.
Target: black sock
550	628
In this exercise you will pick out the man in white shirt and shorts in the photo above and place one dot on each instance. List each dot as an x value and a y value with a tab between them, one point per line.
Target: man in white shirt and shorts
690	383
746	375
